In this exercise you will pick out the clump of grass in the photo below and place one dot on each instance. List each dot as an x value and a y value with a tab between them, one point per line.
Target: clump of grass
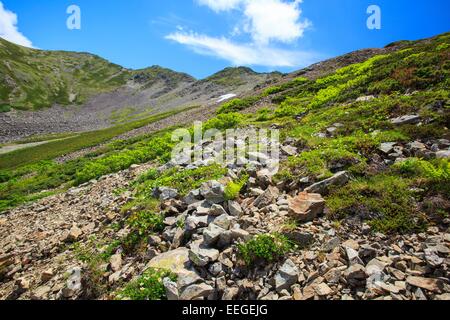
233	189
149	286
386	201
265	247
142	224
236	105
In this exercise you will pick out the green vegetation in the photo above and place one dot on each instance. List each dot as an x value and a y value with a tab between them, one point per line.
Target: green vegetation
181	180
231	77
265	247
236	105
149	286
142	225
233	189
5	108
286	86
57	148
385	200
39	79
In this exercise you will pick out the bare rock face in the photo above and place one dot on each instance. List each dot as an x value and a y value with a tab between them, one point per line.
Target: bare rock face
306	206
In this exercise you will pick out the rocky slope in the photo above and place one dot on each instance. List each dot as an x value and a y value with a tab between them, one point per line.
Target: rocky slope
358	210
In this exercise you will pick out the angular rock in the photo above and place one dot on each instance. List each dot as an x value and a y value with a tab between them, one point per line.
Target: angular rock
387	147
306	206
355	274
176	261
212	234
171	289
202	256
74	234
286	276
116	262
224	221
217	210
213	192
338	180
196	291
443	154
267	198
193	197
164	193
323	290
234	208
408	119
195	222
433	285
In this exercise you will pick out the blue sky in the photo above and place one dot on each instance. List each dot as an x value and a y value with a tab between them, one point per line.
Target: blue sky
201	37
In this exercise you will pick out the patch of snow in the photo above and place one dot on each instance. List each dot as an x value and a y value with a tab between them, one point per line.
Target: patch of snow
226	97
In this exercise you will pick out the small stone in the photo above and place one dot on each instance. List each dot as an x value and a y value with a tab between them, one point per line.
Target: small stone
230	294
74	234
224	221
331	244
213	192
355	273
387	147
323	290
286	276
338	180
234	208
351	244
47	275
306	206
175	261
40	293
289	150
165	194
408	119
432	258
434	285
443	154
267	198
196	291
352	256
212	234
171	289
116	262
217	210
202	256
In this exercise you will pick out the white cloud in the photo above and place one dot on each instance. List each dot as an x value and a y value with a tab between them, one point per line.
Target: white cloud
274	20
242	54
265	23
9	30
221	5
266	20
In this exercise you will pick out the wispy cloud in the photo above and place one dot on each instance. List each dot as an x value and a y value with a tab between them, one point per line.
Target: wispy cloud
221	5
242	54
266	23
9	29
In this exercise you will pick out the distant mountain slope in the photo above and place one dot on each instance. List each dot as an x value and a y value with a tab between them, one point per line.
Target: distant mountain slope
33	79
56	91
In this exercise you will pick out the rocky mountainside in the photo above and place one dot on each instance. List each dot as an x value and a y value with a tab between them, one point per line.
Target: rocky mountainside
45	92
358	210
